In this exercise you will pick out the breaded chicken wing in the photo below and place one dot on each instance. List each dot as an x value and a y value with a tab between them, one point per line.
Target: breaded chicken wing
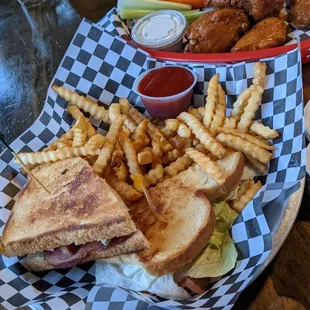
216	31
259	9
299	14
217	3
270	32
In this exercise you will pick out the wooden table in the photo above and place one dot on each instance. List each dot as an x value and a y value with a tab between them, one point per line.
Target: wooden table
285	284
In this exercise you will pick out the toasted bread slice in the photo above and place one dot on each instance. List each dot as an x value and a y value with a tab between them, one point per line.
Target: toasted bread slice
135	243
81	208
182	203
232	165
189	224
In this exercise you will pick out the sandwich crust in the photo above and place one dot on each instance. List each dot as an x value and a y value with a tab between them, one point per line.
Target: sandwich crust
82	208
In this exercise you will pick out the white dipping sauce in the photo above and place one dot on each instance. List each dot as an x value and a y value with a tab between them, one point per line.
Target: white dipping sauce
158	27
160	30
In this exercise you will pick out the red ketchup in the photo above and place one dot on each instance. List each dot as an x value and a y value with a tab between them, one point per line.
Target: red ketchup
167	91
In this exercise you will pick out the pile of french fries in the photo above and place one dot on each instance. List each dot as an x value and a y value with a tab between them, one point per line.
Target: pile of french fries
138	151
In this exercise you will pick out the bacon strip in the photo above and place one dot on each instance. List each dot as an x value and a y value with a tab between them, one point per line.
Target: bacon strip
71	255
197	286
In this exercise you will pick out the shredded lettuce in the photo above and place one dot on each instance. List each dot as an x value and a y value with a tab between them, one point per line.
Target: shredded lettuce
220	254
224	215
214	262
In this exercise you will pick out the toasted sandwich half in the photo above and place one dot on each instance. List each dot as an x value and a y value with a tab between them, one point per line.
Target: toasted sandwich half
82	219
186	217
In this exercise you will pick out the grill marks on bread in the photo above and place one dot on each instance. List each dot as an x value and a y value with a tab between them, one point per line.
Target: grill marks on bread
82	208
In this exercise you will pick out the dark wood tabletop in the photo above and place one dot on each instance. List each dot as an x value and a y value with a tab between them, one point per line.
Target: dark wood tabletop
24	78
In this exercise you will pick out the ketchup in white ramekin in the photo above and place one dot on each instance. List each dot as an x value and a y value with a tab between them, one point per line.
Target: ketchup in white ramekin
166	91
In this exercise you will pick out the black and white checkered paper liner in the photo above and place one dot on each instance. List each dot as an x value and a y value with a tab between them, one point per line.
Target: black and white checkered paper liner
303	35
104	67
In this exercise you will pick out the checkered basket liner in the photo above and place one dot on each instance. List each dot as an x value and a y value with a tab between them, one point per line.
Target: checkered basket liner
103	66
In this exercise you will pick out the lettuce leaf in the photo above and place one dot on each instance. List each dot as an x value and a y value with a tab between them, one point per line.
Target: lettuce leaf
214	262
224	216
220	254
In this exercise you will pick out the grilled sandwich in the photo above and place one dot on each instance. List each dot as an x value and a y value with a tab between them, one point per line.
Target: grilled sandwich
82	219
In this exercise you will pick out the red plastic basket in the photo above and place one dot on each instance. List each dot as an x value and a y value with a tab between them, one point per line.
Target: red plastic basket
232	57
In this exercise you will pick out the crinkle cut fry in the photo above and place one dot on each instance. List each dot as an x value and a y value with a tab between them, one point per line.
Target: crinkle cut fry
178	165
51	156
63	139
115	113
109	146
167	133
249	194
211	101
183	131
117	156
130	154
121	172
205	163
76	114
95	142
125	105
156	150
83	103
250	109
264	131
230	122
245	147
140	137
172	124
220	112
152	130
132	161
154	175
126	191
145	157
257	165
202	134
259	74
80	132
240	103
247	137
172	156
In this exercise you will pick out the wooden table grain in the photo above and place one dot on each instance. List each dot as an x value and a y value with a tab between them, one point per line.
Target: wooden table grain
285	284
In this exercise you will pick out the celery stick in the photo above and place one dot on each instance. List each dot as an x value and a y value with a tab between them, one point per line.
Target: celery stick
152	5
136	14
133	14
191	17
185	13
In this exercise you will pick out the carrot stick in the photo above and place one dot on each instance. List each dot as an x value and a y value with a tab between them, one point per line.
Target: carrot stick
196	4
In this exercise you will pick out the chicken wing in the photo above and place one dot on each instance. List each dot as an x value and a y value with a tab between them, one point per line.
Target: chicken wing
269	32
299	14
216	31
259	9
217	3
